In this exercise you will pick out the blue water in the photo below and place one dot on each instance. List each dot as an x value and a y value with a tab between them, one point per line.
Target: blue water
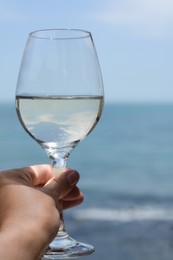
126	167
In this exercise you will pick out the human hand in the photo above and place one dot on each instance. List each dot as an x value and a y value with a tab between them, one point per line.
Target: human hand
30	203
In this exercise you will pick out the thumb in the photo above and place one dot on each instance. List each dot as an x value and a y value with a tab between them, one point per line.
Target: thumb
62	183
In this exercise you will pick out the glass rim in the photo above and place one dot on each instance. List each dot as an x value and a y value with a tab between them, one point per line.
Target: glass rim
45	34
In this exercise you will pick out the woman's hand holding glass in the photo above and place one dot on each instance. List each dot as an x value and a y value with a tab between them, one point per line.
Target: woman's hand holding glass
30	200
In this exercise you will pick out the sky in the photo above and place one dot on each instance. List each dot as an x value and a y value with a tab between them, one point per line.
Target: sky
133	38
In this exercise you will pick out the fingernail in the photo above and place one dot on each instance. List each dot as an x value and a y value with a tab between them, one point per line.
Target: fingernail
72	177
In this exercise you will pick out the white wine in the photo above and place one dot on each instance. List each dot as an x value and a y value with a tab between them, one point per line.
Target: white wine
59	121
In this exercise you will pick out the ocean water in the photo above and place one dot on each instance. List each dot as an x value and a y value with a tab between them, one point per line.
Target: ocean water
126	167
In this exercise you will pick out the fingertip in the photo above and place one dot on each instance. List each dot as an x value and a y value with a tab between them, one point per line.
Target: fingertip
72	177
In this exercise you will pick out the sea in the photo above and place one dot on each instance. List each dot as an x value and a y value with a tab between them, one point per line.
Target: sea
126	168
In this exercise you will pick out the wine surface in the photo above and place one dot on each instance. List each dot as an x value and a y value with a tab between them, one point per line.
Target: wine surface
59	120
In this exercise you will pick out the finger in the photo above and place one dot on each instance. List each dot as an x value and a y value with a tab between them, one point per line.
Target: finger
61	184
73	194
36	175
70	204
39	174
74	198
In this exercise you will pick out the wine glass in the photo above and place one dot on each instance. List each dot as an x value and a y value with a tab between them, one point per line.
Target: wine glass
59	100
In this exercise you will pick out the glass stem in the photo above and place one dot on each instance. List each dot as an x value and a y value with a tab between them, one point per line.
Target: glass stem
62	229
58	164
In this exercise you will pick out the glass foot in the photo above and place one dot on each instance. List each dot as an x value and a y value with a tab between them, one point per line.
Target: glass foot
67	247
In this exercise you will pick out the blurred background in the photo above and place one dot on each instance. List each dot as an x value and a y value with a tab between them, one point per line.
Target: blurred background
126	164
133	40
